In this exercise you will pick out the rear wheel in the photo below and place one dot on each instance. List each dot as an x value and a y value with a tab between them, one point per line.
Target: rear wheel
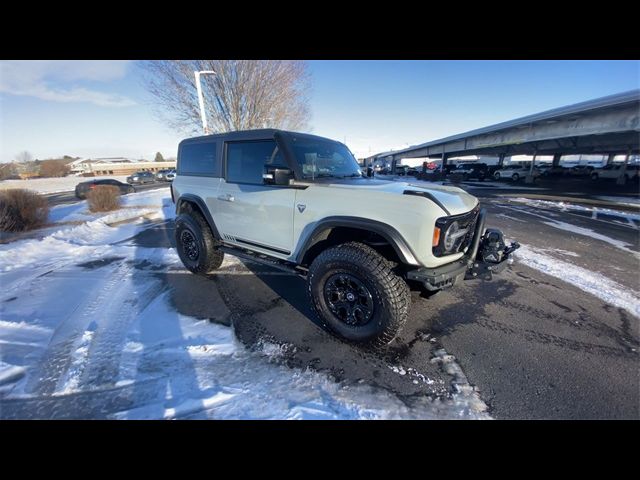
195	244
594	177
515	177
356	294
496	175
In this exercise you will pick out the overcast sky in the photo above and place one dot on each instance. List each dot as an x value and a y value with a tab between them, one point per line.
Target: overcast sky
100	108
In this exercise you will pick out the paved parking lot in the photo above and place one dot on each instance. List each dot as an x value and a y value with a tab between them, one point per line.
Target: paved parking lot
532	344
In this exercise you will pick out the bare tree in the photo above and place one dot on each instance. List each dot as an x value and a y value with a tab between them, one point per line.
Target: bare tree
242	95
23	157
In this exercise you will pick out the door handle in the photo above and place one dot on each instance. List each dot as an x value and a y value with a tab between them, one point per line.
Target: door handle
226	198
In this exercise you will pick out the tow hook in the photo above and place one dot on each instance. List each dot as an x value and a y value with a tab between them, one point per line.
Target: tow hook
493	255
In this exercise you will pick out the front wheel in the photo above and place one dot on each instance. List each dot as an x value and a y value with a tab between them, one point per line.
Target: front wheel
515	177
356	294
196	245
496	175
594	177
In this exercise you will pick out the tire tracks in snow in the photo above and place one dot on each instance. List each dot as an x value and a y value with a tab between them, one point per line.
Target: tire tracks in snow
57	358
103	360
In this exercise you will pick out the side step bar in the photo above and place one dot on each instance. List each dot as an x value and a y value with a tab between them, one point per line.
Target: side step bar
263	260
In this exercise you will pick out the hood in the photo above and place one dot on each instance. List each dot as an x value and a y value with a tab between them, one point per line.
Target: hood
455	200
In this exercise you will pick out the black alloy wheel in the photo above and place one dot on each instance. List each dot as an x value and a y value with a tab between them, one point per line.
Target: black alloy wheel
349	299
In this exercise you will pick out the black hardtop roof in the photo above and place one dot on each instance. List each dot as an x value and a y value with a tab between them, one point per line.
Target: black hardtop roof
258	134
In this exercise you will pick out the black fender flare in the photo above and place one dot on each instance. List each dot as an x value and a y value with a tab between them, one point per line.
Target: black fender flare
311	233
187	197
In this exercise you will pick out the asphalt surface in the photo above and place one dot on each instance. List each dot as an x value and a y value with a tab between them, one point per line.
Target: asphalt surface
534	346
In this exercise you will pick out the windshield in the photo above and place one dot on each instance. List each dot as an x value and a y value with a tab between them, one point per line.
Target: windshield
324	158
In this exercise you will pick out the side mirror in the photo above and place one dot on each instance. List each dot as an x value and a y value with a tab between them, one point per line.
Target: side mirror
277	176
370	172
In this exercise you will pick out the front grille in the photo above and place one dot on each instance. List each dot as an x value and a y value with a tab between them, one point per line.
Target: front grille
466	220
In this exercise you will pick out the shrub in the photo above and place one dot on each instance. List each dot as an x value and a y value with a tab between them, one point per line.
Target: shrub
54	168
104	198
22	210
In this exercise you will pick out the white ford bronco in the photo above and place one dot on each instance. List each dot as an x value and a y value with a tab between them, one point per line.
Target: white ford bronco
300	203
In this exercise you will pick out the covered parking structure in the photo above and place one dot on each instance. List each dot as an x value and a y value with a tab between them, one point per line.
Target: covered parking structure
609	125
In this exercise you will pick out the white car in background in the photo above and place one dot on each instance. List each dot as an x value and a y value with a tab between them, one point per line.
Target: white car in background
614	171
170	175
515	172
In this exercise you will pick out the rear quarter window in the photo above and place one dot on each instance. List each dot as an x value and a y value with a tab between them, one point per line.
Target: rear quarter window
198	159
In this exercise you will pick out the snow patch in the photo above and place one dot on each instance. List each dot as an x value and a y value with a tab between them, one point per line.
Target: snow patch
10	373
465	397
78	360
629	201
568	207
587	232
591	282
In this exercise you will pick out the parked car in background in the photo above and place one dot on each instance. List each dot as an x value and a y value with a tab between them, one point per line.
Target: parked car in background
161	174
514	172
580	171
613	171
472	170
141	178
83	188
548	170
402	170
170	176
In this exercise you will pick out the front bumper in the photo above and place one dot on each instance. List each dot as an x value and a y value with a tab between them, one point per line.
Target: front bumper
469	266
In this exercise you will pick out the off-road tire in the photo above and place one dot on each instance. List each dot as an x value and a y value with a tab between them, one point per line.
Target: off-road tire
192	226
389	292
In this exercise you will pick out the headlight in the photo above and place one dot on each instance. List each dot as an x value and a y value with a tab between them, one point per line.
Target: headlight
451	236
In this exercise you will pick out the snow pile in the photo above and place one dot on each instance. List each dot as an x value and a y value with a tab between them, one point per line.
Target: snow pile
594	283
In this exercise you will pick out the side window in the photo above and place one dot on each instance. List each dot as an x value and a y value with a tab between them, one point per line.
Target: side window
246	161
198	159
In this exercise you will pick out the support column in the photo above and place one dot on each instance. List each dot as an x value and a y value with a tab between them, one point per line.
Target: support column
556	159
501	160
621	180
610	158
444	164
529	178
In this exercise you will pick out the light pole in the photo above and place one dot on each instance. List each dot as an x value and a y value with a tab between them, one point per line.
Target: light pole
203	114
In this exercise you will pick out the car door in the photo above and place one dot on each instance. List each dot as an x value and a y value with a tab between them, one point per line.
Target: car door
114	183
248	212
